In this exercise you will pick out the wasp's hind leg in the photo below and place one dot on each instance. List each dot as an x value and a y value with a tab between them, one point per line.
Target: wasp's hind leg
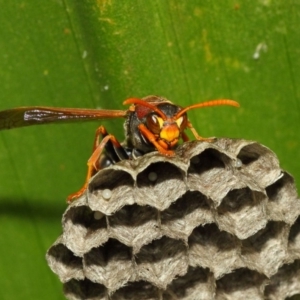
114	151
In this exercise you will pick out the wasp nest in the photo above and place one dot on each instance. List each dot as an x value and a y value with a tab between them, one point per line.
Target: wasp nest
218	221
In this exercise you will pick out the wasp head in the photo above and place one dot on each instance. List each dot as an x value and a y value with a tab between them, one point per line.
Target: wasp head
156	123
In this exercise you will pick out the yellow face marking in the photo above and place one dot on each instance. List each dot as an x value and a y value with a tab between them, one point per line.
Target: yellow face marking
160	121
179	121
170	132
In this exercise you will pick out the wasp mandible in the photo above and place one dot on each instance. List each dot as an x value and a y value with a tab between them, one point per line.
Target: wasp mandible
151	124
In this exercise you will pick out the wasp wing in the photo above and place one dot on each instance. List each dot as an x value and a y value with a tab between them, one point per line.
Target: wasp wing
36	115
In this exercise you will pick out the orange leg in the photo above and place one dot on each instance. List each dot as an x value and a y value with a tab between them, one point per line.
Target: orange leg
93	160
151	138
196	135
184	136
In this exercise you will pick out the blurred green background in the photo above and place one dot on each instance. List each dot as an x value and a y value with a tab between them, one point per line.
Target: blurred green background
95	54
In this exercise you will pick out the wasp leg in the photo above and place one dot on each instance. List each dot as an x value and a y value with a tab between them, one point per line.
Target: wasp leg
98	148
114	151
184	137
196	135
151	138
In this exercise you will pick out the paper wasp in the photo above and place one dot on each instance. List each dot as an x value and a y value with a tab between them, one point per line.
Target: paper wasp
151	124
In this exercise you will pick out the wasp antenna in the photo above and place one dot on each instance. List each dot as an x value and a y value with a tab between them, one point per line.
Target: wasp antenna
145	104
208	103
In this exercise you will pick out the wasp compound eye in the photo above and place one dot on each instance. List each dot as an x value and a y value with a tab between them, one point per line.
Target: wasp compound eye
219	218
154	123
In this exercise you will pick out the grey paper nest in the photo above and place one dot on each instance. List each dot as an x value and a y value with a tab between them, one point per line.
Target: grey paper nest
217	221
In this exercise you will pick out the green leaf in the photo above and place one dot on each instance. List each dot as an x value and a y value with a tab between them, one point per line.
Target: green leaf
98	53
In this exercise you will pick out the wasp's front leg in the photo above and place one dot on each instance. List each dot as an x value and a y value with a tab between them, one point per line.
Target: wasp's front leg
108	142
152	139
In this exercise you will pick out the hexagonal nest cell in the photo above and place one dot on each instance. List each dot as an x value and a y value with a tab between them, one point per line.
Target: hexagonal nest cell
220	220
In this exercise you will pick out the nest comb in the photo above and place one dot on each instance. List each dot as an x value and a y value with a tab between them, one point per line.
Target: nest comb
219	220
